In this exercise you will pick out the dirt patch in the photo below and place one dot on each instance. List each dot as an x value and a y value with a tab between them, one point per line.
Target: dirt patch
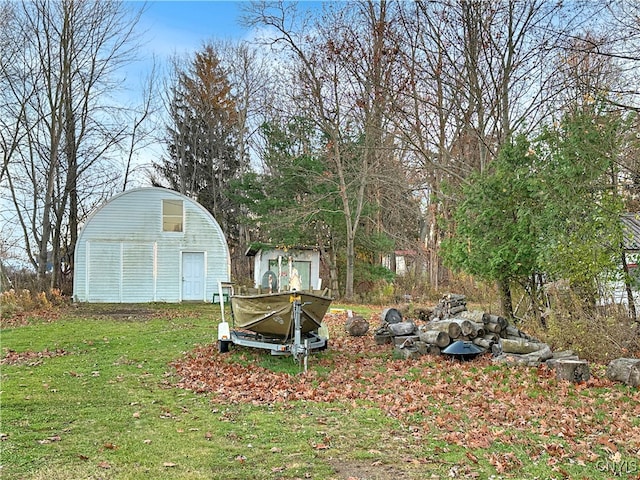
126	313
360	470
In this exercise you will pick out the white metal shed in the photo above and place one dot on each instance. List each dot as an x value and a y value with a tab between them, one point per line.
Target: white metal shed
150	245
274	268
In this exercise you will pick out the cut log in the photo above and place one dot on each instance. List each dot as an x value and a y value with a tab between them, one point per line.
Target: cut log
473	315
625	370
515	359
454	297
435	337
572	370
382	338
490	318
466	327
492	337
551	363
421	347
457	310
521	345
356	326
452	328
564	354
513	332
482	342
493	327
541	355
427	349
479	329
402	328
391	315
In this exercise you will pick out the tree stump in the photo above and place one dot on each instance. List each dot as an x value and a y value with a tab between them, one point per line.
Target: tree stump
356	326
625	370
573	370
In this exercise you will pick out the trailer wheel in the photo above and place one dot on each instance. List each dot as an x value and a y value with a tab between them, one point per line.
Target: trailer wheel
223	346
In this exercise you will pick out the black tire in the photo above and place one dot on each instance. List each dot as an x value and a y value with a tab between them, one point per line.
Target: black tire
223	346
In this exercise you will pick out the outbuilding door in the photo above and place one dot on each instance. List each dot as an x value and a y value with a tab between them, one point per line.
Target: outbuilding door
193	276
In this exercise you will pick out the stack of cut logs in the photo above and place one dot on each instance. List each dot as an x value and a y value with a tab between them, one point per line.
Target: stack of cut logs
450	321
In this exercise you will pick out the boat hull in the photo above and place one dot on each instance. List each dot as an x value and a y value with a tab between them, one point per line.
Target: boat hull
272	314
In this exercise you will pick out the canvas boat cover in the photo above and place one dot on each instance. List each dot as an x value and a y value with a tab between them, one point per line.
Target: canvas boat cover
272	313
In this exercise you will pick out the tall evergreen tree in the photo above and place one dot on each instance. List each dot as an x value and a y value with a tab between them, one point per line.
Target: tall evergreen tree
202	140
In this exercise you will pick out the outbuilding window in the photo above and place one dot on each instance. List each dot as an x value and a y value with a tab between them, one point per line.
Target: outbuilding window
172	215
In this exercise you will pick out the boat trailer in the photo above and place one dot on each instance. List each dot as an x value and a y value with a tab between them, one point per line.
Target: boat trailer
285	323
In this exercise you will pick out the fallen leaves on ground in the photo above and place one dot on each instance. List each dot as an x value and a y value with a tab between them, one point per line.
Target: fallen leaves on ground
31	358
502	404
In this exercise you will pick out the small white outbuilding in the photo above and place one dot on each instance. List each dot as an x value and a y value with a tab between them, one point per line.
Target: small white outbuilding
150	245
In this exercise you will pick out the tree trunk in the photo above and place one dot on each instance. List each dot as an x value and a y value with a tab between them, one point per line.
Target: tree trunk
627	284
505	296
625	370
351	259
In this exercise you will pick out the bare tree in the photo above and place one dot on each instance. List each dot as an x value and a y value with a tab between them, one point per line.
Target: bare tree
476	73
60	87
342	73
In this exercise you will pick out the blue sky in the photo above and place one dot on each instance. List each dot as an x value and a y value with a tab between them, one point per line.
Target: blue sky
182	26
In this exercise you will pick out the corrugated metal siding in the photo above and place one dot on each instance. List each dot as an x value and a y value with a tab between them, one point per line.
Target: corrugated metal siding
123	256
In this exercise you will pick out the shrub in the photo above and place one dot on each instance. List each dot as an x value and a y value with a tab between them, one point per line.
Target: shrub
20	302
597	334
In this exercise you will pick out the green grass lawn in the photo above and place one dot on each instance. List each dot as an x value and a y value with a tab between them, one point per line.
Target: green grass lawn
92	394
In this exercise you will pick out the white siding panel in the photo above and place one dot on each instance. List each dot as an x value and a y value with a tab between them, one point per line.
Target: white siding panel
137	272
104	270
169	282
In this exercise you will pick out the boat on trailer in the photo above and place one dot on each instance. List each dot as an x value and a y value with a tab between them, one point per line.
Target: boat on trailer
285	323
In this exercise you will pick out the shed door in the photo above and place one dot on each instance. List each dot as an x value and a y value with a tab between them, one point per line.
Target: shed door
193	276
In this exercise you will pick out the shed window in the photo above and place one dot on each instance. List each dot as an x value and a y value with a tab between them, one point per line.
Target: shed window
172	215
